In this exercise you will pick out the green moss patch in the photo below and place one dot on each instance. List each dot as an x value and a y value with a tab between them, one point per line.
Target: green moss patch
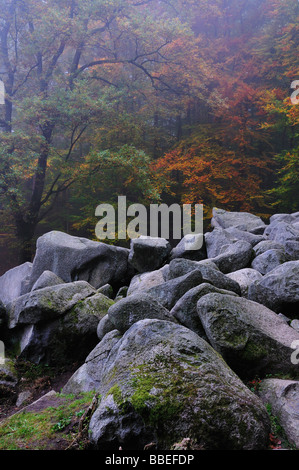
54	427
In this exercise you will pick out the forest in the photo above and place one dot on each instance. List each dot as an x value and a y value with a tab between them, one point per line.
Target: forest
161	101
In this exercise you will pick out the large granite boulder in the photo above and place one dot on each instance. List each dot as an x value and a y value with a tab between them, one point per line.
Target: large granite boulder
161	382
250	337
14	282
47	279
47	303
185	310
209	271
191	246
134	308
148	253
149	279
245	277
74	258
240	220
234	256
283	398
67	338
169	292
270	259
279	289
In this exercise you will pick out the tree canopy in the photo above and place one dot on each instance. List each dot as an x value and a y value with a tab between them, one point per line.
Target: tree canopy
158	100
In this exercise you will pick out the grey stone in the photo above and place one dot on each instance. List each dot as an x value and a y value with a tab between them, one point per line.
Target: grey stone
250	337
171	291
47	279
74	258
144	382
246	236
185	310
245	277
139	306
13	281
104	327
210	273
266	245
283	397
146	280
216	239
89	376
287	218
279	289
148	254
286	235
23	397
69	338
122	292
233	257
269	260
8	380
47	303
106	290
295	325
191	246
241	220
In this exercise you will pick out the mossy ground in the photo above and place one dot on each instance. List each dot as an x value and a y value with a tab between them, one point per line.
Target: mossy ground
54	427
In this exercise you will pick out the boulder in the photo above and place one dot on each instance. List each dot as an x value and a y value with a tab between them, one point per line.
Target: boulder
279	289
283	398
171	291
47	279
270	259
74	258
191	246
47	303
233	257
288	218
146	280
106	290
13	282
251	338
216	239
105	325
241	220
89	376
185	310
148	253
134	308
287	235
245	277
8	381
249	237
161	382
210	273
266	245
295	324
67	339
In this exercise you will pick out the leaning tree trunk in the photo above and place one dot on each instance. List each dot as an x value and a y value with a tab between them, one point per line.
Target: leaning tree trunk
27	219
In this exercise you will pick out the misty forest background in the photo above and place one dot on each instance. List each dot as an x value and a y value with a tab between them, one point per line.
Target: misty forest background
170	101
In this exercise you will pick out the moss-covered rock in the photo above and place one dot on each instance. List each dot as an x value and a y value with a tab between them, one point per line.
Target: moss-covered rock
160	383
250	337
70	337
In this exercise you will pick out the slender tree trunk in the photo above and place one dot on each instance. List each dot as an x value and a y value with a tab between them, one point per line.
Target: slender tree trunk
27	221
